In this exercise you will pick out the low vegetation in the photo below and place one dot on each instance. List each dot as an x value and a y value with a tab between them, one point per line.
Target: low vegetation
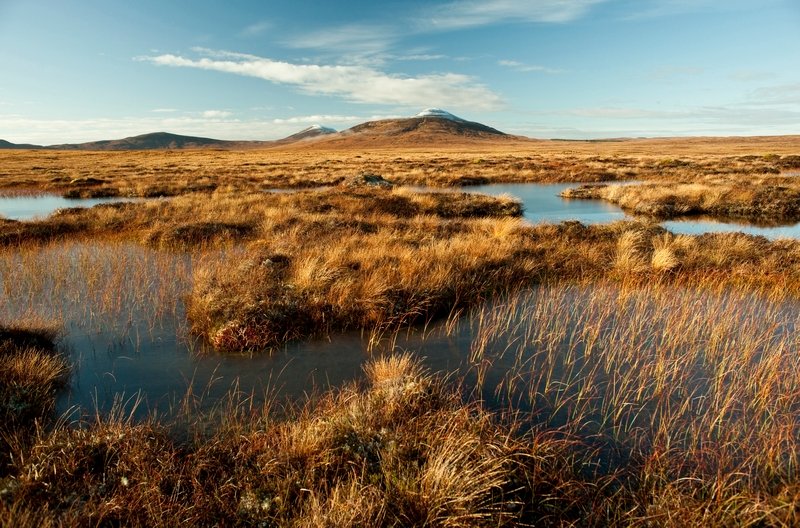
177	172
30	372
758	201
617	375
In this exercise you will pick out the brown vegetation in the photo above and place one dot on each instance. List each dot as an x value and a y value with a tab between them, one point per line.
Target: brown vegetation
401	452
30	372
651	378
170	173
760	200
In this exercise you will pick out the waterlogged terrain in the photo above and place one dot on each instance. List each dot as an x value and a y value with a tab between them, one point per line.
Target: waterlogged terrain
507	372
542	203
40	206
127	337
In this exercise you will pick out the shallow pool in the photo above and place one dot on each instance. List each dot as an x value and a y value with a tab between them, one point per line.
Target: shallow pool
42	205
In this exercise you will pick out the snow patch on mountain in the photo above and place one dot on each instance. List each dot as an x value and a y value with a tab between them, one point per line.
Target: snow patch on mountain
438	112
319	128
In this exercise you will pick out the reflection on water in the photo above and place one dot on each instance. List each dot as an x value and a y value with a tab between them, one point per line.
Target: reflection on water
125	331
540	351
40	206
543	204
709	225
164	364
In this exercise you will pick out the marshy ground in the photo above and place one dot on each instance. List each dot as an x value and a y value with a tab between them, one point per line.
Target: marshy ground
620	374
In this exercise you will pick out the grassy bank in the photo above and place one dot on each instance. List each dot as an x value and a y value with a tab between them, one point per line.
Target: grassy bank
30	372
272	267
304	283
759	201
641	414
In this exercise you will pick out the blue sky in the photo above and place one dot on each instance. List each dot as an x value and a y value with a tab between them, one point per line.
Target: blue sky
81	70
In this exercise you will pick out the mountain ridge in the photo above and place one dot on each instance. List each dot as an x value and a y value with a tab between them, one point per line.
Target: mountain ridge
431	126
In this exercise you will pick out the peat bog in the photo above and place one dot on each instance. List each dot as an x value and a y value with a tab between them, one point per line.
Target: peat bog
444	362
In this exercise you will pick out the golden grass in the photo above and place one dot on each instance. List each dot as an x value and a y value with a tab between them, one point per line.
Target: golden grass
30	372
758	201
692	395
168	173
347	458
650	379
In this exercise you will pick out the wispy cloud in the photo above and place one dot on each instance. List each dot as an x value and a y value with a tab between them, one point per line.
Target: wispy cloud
419	57
471	13
317	118
355	83
522	67
731	116
777	95
216	114
751	75
665	73
164	110
361	40
351	38
665	8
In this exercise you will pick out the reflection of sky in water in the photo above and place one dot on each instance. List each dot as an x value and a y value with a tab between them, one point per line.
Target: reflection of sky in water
542	204
30	207
698	227
541	201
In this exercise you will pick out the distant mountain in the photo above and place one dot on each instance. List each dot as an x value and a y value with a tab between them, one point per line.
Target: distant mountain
153	141
314	131
432	126
17	146
430	121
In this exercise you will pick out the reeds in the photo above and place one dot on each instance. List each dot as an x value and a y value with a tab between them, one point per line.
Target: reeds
371	456
687	398
636	378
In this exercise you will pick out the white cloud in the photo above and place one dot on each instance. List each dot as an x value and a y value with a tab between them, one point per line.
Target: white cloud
164	110
216	114
522	67
311	119
472	13
355	83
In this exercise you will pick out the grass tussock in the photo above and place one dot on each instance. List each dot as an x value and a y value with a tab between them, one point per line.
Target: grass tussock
754	201
402	451
30	372
314	283
311	282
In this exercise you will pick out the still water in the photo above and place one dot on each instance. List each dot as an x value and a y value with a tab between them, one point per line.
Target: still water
543	204
40	206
